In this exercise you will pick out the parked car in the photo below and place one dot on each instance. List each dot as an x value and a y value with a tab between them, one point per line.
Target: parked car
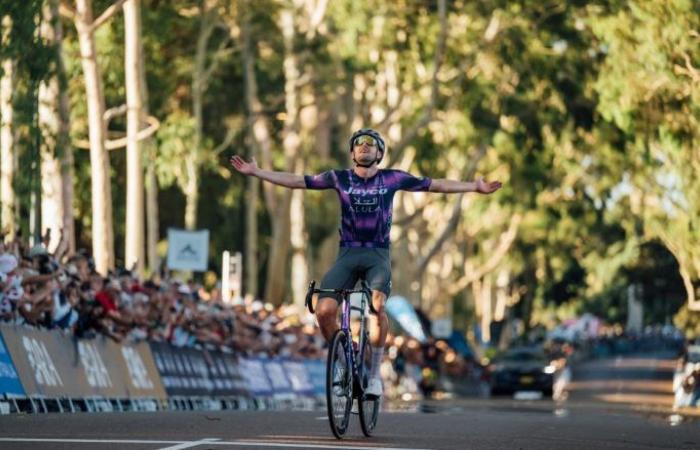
523	369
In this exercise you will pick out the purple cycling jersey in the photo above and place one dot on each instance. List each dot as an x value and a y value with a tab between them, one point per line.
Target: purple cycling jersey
366	204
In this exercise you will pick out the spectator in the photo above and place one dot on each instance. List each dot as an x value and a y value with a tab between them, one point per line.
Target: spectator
691	385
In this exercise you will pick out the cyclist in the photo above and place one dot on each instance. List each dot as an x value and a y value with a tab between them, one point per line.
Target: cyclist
366	194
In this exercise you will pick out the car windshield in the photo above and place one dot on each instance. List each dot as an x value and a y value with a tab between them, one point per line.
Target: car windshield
522	355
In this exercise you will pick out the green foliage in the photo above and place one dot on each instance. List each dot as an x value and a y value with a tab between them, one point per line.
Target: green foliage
34	61
587	112
688	321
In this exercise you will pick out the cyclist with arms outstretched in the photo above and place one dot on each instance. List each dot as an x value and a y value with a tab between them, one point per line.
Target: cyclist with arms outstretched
366	194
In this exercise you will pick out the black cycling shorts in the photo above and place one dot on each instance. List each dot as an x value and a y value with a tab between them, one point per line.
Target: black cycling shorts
355	263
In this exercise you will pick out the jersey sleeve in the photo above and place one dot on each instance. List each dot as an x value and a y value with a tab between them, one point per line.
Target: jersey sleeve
408	182
325	180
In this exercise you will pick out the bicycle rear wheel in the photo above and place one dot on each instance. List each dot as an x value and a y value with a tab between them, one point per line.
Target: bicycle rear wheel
368	406
339	384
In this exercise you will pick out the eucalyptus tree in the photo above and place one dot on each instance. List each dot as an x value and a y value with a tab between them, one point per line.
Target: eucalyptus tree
27	61
649	89
135	108
56	150
101	190
8	217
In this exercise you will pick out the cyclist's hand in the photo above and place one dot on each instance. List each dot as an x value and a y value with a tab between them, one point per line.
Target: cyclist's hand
246	168
487	187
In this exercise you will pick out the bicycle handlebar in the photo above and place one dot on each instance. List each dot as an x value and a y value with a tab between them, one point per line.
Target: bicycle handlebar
364	290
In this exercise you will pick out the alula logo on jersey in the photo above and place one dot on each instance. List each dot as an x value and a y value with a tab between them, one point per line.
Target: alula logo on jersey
356	191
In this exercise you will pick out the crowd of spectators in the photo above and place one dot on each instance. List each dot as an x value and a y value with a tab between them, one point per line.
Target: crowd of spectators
64	291
59	291
413	370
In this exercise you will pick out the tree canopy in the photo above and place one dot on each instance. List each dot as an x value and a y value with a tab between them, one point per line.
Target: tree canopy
586	111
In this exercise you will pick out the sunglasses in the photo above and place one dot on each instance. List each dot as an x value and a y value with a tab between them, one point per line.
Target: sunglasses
365	139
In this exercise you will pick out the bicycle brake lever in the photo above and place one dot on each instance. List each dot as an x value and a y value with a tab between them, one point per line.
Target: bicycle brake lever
309	295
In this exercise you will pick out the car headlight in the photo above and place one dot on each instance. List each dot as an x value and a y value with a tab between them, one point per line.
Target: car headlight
550	369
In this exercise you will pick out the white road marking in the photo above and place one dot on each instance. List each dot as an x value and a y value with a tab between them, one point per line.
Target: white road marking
191	444
90	441
210	441
283	445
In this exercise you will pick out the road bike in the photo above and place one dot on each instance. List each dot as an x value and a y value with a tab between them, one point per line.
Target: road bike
348	364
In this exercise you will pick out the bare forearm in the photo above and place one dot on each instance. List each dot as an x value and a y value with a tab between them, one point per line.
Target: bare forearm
285	179
452	186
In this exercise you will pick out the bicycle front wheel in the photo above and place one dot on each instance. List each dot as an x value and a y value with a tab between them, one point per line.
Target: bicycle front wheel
368	406
339	384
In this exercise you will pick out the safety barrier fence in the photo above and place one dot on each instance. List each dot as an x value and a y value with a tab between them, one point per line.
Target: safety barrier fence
48	371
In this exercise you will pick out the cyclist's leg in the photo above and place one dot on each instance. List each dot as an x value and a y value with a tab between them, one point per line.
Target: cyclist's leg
379	324
326	313
341	276
379	279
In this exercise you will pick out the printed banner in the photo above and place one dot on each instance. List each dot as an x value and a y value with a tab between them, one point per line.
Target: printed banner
255	377
192	372
140	374
278	378
188	250
299	377
52	364
9	379
316	369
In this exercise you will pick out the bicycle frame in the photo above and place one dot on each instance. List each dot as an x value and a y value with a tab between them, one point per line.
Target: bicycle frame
345	326
346	309
355	363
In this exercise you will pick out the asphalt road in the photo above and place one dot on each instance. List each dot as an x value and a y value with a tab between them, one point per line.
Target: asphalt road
613	404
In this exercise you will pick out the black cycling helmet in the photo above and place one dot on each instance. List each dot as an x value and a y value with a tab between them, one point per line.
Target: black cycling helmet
373	133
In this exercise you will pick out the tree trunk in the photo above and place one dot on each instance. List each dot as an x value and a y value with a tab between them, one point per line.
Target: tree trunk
102	231
253	184
56	151
65	150
133	61
8	221
299	240
150	181
198	87
276	284
485	299
277	273
251	242
292	148
52	206
151	184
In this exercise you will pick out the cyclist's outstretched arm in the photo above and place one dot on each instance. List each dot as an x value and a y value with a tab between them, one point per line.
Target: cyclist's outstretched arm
452	186
251	168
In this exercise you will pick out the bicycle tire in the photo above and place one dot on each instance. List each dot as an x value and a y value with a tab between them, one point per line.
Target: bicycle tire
368	407
339	395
